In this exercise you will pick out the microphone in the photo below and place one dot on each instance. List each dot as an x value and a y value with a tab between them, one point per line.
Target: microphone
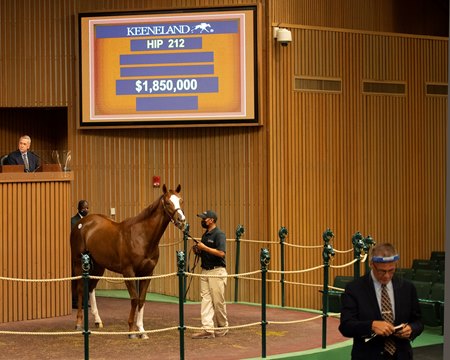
39	160
66	165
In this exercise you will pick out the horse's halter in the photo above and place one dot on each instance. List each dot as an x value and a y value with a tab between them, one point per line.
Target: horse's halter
176	222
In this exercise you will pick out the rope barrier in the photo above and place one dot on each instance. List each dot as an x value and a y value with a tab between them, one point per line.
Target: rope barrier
222	276
94	332
41	333
343	251
171	244
303	284
295	321
134	278
304	246
294	271
40	280
344	265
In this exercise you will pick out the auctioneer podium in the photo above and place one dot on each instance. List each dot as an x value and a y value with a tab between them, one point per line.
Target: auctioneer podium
34	243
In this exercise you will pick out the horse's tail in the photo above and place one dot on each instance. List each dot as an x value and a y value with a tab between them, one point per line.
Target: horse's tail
77	245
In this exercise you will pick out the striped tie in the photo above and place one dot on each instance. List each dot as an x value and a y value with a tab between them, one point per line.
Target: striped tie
386	312
25	161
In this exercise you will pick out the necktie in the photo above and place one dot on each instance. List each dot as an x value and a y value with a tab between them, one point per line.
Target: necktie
387	314
25	161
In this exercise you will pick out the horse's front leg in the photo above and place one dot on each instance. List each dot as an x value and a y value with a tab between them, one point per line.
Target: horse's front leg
94	309
140	315
131	286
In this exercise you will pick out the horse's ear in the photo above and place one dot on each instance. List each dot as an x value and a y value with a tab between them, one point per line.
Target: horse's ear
164	188
178	189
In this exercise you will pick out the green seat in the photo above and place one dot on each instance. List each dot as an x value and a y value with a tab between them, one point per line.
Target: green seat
423	289
424	264
427	275
334	296
437	255
405	273
432	309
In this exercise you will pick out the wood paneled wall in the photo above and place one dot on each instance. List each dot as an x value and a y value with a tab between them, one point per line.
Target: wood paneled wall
352	160
346	160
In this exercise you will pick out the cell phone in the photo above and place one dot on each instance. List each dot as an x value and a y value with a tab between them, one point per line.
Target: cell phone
399	327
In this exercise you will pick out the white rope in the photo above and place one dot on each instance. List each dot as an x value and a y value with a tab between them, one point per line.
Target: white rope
133	332
295	271
41	333
344	265
304	246
343	251
295	321
40	280
133	278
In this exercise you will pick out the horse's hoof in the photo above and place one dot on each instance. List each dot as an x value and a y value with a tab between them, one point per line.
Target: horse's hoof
132	336
99	325
143	336
78	327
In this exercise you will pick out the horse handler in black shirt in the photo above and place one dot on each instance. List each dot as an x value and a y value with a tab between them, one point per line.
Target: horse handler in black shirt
212	250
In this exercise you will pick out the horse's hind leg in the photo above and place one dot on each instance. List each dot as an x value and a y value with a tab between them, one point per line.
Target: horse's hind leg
94	309
93	300
131	286
79	292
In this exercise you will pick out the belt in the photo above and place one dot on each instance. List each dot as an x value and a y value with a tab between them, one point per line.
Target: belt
211	267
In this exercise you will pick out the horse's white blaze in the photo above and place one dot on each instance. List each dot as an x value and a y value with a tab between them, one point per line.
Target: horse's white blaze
140	319
94	308
176	203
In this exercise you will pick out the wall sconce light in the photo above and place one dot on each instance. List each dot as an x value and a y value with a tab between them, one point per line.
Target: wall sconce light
283	36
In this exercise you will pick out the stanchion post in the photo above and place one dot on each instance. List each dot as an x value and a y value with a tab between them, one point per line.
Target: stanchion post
327	253
181	281
282	233
86	267
358	245
239	232
265	259
368	243
185	241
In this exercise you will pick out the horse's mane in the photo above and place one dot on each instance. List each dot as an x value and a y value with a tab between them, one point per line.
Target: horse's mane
144	214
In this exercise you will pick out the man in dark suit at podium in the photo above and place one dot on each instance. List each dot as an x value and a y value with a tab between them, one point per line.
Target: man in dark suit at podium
23	155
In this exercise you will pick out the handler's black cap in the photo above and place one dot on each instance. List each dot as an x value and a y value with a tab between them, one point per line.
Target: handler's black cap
208	214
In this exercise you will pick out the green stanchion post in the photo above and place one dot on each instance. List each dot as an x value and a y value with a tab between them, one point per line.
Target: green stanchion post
358	245
181	281
86	267
239	232
265	259
368	243
282	233
327	253
185	244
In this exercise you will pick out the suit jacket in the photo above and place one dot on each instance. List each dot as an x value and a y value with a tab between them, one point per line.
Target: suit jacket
360	307
74	220
15	158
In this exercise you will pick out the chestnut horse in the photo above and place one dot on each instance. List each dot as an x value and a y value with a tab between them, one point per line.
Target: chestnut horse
129	248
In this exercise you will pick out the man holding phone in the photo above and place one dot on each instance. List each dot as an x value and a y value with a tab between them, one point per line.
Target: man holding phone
380	311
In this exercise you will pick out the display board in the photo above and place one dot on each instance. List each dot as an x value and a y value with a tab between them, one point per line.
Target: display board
172	68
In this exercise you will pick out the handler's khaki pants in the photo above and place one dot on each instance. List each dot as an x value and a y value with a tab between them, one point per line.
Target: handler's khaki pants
212	291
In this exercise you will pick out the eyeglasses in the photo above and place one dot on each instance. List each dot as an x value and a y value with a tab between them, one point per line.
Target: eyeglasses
383	272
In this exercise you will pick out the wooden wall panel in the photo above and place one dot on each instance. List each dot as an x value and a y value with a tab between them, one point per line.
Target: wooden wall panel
354	161
400	16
